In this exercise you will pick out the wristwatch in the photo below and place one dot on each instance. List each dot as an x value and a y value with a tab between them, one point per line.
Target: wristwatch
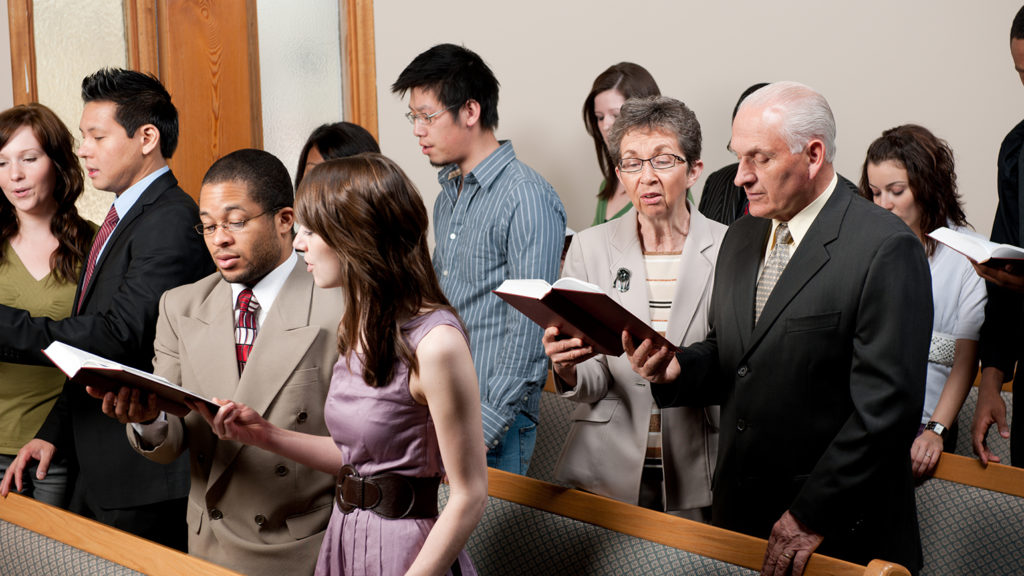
937	428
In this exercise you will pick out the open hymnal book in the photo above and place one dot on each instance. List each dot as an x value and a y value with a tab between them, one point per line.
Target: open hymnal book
91	370
977	249
580	310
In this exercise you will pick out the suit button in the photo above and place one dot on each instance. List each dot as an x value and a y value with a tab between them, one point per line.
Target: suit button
261	520
216	514
201	458
281	470
741	424
302	417
742	371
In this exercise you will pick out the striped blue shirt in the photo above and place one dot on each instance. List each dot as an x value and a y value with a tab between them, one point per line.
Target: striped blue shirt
508	222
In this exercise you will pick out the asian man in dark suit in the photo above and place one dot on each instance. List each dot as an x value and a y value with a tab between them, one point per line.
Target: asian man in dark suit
146	246
821	322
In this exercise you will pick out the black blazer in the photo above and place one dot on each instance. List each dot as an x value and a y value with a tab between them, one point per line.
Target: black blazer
153	249
821	400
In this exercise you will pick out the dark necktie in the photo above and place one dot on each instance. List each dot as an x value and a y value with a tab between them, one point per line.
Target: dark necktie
245	328
101	238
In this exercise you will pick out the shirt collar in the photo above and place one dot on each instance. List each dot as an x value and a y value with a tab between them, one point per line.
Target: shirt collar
267	289
124	201
484	173
799	224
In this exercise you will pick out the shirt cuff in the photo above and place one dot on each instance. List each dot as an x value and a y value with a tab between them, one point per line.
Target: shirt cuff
496	425
154	433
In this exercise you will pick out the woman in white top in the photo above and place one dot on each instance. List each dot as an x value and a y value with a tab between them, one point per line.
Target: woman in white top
910	172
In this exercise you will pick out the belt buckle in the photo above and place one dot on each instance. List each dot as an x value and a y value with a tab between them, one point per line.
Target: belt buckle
359	489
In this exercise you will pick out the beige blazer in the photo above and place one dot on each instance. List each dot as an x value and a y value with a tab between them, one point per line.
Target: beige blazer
248	509
604	451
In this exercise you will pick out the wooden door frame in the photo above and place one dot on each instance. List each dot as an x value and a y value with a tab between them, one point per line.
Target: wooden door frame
360	73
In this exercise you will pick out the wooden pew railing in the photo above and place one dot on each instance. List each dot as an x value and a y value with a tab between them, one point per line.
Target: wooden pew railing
694	537
969	471
121	548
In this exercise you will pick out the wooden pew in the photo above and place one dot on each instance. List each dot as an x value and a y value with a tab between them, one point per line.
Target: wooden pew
533	527
37	539
971	517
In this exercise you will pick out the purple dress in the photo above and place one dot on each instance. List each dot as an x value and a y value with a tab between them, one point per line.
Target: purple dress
381	430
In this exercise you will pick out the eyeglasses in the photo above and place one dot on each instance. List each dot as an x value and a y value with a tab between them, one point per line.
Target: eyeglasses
659	162
427	119
231	226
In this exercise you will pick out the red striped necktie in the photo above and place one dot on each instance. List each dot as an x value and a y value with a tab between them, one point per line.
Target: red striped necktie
97	244
245	328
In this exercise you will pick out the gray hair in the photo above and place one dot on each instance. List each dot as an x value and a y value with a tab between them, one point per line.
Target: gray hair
657	113
803	112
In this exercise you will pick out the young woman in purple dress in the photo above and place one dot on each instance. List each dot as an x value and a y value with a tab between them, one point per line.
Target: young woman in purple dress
404	406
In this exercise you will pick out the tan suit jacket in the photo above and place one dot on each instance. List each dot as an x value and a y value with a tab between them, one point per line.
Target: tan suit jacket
249	509
604	451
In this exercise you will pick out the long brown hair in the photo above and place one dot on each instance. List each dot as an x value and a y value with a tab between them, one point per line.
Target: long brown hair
369	212
931	175
73	233
630	80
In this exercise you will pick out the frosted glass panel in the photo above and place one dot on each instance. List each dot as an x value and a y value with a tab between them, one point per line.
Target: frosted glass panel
74	38
300	72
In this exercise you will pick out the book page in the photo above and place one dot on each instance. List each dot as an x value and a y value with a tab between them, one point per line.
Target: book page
576	284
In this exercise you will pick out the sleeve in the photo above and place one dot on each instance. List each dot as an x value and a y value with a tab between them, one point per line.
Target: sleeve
1001	337
970	305
592	376
887	383
536	238
163	253
166	447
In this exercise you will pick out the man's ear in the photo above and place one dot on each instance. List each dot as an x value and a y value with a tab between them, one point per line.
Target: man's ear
150	138
285	219
815	151
470	113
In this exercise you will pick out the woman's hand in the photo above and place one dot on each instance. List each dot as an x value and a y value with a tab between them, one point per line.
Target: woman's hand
236	421
565	354
925	453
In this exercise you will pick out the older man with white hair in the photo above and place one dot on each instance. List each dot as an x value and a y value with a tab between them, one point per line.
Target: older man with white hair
821	321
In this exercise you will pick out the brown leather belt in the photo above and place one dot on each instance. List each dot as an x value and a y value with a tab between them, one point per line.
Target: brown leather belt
387	495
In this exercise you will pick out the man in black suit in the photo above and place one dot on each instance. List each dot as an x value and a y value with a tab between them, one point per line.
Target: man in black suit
146	246
1002	336
821	322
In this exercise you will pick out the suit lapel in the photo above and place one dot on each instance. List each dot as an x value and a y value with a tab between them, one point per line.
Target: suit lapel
208	336
627	254
148	196
281	343
691	279
747	261
809	258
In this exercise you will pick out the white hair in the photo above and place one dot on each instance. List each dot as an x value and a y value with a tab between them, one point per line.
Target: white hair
803	114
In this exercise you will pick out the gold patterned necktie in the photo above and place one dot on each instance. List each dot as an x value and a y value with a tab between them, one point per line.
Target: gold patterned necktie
773	267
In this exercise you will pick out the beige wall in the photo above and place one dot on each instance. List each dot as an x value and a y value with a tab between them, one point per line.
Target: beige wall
941	63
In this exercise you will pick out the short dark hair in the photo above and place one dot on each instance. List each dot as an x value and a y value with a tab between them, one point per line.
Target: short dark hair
338	140
264	176
657	113
456	75
140	99
1017	28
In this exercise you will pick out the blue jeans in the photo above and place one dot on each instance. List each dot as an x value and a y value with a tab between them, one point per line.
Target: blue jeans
513	453
52	490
